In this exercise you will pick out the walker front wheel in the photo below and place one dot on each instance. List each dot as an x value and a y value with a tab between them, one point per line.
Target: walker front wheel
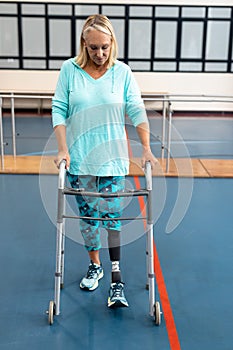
51	312
157	313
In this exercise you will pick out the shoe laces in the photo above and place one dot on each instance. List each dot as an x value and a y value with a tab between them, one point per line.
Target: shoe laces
117	289
92	271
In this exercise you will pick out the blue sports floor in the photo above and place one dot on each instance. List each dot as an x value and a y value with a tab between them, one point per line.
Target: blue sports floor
195	260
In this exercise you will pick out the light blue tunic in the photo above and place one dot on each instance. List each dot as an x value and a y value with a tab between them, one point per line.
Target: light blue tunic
94	112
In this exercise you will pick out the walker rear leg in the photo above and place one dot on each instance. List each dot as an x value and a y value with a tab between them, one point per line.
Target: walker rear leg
147	265
62	257
154	306
150	271
54	306
59	266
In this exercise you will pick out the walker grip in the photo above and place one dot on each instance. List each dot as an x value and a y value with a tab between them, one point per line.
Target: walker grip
148	175
62	163
62	173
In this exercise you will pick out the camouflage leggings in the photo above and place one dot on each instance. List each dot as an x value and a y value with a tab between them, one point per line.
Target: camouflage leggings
94	207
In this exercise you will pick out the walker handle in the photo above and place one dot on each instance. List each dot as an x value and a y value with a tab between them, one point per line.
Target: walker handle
62	174
148	175
62	163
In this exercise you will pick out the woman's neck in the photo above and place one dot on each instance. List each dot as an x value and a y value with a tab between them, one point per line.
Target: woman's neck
95	67
94	70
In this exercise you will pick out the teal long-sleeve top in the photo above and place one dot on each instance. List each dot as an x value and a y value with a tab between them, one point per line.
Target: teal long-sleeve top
94	113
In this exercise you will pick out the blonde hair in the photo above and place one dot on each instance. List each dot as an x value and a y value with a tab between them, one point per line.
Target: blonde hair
102	24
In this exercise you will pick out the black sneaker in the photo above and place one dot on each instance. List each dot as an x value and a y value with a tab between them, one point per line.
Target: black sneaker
116	295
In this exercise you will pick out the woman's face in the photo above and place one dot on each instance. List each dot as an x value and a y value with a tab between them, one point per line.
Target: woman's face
98	45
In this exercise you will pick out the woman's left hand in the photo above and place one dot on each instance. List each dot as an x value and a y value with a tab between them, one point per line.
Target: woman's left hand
147	156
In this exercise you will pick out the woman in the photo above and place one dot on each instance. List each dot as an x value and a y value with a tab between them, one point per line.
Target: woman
94	93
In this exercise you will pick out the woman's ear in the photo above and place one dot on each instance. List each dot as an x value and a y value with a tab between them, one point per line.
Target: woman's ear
84	42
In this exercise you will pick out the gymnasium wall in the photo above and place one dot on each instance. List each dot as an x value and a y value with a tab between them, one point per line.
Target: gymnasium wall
44	81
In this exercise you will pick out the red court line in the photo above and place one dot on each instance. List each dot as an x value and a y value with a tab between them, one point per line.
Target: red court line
164	298
166	306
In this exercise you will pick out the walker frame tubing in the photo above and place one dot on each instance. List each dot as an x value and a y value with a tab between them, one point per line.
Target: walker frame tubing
60	239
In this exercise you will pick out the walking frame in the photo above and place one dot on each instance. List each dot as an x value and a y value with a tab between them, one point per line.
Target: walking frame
54	305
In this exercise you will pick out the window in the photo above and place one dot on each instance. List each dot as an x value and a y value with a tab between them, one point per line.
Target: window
164	38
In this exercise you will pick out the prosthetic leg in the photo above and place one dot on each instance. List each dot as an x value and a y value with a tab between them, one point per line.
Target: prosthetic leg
116	292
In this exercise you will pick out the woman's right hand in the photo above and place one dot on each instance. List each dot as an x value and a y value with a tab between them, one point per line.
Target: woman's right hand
62	156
